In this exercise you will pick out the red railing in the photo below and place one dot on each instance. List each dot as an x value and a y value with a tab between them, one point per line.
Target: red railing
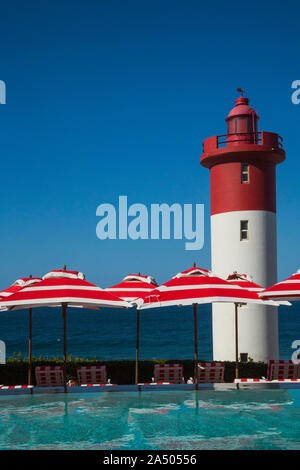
269	139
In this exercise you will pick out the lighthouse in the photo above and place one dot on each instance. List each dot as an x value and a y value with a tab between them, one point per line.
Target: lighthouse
242	167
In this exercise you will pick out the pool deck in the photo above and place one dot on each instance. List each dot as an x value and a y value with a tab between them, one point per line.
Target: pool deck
20	390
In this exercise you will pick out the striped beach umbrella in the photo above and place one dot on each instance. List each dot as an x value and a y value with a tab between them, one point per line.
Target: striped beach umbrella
243	280
287	290
18	285
196	286
132	288
63	288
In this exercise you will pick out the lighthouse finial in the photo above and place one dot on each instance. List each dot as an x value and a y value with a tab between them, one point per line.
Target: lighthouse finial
241	90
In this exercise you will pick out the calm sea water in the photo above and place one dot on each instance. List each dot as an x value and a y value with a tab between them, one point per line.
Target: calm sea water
111	333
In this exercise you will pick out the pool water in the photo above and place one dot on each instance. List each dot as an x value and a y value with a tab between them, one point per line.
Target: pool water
166	420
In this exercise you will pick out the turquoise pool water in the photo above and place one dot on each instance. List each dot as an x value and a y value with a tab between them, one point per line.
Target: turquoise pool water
167	420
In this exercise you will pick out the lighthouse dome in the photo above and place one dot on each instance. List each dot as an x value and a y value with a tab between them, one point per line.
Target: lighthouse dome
241	108
242	122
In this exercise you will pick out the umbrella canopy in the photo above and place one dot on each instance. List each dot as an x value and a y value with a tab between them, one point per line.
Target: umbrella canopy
286	290
243	280
18	285
132	288
61	286
197	286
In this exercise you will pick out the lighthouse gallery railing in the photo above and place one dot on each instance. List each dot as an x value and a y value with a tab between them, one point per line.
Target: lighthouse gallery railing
268	139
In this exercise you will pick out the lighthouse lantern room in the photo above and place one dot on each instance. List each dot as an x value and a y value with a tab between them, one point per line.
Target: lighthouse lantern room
242	167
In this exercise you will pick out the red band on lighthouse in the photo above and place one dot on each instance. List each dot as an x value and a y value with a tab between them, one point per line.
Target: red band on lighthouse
228	193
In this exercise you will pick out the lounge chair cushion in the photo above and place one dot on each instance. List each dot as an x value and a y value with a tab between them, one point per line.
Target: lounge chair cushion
211	372
92	375
172	373
49	376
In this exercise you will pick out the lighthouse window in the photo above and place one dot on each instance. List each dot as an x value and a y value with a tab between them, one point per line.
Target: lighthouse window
244	230
250	124
245	173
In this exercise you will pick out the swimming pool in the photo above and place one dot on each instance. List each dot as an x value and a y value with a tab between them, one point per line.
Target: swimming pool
167	420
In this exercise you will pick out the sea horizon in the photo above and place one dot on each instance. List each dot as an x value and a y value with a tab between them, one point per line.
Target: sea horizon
110	334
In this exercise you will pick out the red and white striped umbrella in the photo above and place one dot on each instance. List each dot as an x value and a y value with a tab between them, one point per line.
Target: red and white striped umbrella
65	288
243	280
197	286
132	288
18	285
286	290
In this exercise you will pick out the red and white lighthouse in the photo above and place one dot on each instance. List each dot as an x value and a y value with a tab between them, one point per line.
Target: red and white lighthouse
242	167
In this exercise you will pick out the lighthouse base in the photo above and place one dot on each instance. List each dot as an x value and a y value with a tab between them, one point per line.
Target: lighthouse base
257	332
257	257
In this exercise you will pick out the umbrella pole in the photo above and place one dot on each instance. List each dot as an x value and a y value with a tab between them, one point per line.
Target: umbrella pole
64	315
30	347
137	347
196	345
236	341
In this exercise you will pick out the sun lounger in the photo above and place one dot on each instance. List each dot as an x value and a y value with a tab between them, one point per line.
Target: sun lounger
278	371
49	376
92	375
168	373
210	372
46	376
283	370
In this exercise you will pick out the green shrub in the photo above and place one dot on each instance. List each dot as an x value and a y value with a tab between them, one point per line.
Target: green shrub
15	371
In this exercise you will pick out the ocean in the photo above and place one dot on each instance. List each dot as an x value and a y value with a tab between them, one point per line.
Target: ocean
111	333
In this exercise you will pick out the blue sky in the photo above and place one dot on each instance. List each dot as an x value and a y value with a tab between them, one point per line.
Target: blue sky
109	98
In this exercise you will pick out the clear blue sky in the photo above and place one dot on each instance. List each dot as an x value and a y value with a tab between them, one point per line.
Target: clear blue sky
115	97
